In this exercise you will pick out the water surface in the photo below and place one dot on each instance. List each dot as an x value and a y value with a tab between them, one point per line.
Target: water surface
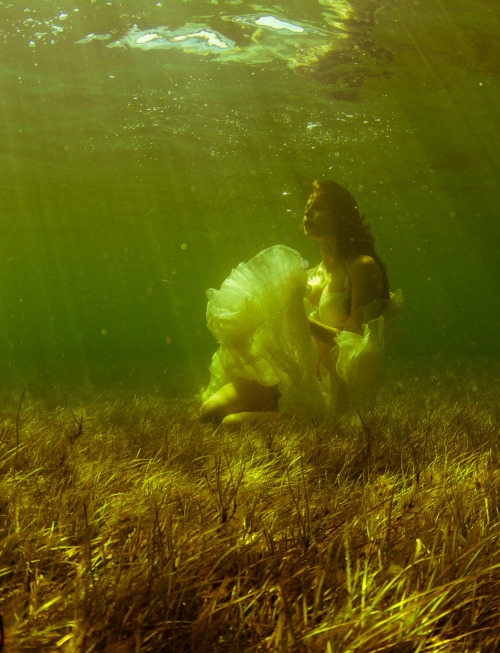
148	147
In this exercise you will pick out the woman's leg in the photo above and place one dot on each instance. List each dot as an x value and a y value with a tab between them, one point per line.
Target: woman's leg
238	397
251	417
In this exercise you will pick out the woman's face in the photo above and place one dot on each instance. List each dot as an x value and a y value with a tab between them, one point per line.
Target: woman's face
318	222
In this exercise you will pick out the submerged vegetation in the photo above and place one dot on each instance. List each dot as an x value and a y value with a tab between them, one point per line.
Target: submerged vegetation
126	525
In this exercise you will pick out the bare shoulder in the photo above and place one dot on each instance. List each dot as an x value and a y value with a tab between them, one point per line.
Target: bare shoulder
366	280
315	284
365	268
315	275
315	270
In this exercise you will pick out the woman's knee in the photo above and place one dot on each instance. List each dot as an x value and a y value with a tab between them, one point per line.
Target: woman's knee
212	409
239	396
220	404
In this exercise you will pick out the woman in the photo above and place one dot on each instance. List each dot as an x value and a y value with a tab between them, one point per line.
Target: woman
295	340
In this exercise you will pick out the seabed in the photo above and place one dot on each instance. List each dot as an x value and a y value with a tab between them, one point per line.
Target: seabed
127	525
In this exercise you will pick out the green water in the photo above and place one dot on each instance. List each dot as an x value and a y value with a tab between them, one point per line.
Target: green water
138	167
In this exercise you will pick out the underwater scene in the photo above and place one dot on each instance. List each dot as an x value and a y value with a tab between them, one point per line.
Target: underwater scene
157	155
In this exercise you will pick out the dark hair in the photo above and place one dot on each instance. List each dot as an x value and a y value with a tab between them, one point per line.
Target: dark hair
354	237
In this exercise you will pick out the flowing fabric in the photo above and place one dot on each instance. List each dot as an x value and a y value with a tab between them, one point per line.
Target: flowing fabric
259	318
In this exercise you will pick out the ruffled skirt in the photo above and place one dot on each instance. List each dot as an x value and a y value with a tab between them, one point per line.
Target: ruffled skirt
259	318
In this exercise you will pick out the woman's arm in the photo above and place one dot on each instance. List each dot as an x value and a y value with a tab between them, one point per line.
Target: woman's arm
322	332
366	287
366	282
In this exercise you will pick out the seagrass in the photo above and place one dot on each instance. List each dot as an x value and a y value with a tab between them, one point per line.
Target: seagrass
126	525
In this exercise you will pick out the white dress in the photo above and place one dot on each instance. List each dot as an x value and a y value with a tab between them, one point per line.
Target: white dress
259	318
